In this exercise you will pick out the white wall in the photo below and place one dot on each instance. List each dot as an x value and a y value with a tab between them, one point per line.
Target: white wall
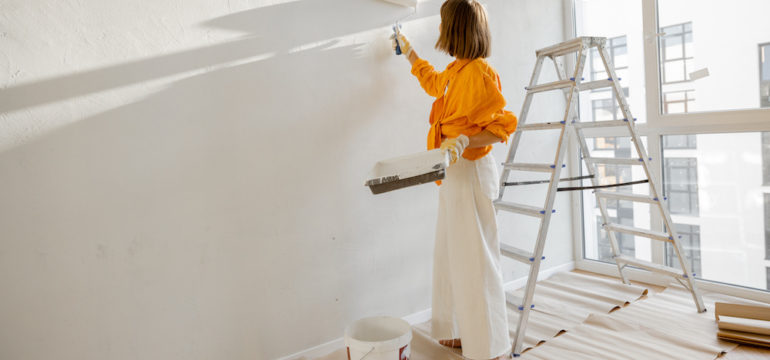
184	180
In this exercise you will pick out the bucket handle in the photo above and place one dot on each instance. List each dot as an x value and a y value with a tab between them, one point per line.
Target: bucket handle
367	354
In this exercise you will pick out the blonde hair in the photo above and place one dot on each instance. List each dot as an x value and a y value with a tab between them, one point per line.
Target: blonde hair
464	30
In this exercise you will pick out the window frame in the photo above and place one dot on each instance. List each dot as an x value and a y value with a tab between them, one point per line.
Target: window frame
657	125
683	36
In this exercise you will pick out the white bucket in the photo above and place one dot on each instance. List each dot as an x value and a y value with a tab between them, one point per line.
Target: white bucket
378	338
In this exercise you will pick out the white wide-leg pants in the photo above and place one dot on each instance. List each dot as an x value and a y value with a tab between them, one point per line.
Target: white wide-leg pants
468	296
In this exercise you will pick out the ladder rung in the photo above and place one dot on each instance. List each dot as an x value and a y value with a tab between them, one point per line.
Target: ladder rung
625	196
598	84
561	84
596	124
624	259
519	208
540	126
637	231
529	167
614	161
516	253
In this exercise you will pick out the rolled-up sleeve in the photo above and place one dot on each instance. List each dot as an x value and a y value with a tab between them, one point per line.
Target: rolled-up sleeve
431	80
483	105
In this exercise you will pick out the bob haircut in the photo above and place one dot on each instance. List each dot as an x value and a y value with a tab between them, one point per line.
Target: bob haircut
464	30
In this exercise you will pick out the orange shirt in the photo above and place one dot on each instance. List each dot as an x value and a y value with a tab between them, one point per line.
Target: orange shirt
468	101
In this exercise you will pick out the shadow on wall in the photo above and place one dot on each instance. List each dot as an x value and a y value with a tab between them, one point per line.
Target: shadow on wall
274	30
209	169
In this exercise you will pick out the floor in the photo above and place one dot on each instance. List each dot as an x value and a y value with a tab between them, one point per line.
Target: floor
742	352
586	333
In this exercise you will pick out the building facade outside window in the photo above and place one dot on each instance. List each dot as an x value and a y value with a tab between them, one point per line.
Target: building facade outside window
681	185
678	102
764	75
690	241
676	53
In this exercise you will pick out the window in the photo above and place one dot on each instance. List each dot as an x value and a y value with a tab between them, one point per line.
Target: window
712	50
767	226
719	205
624	39
681	142
690	242
678	101
681	185
764	75
604	103
676	53
766	159
713	163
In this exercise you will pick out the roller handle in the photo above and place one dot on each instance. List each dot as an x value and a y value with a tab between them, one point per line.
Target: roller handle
398	46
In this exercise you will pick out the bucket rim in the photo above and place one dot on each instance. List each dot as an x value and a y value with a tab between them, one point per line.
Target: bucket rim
380	346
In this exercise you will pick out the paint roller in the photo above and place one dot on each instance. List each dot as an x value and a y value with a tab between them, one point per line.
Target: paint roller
409	170
397	26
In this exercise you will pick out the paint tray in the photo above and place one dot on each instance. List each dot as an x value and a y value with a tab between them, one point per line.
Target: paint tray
410	170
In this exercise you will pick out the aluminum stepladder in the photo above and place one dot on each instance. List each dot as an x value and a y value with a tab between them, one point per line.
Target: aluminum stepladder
571	87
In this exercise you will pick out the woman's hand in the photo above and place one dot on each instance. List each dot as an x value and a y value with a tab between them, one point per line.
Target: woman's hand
399	40
455	146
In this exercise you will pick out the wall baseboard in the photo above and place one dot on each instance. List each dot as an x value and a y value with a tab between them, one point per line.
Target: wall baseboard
420	316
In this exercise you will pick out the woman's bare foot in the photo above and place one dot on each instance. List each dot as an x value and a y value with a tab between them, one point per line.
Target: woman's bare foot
453	343
504	357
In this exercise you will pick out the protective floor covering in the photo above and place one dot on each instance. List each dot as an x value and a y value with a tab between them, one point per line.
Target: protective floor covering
663	326
579	308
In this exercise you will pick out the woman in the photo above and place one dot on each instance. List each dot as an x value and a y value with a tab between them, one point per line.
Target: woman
469	309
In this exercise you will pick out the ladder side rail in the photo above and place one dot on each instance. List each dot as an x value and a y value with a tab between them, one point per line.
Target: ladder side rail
561	74
654	188
586	154
602	205
522	120
534	268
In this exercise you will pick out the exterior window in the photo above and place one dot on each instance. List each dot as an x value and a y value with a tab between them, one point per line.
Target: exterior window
680	142
604	103
764	76
625	216
690	241
677	53
679	101
767	226
766	159
681	185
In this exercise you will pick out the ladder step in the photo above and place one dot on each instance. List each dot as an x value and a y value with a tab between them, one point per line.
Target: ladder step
540	126
519	208
596	124
637	231
598	84
627	260
516	253
561	84
614	161
529	167
625	196
570	46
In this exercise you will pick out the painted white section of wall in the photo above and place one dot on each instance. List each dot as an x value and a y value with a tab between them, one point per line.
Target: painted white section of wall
183	180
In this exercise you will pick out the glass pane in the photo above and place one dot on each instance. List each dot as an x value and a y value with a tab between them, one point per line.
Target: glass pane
715	193
719	37
620	21
764	85
596	244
